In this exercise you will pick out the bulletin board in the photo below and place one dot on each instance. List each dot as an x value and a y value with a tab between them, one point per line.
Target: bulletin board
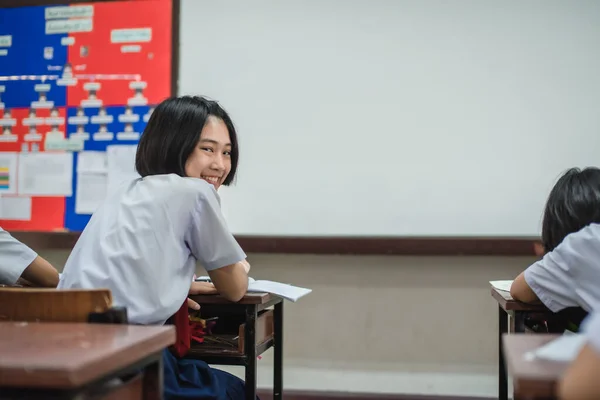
78	83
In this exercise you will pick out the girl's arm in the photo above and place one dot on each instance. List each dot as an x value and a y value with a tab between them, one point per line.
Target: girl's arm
213	245
564	277
230	281
580	381
19	262
40	273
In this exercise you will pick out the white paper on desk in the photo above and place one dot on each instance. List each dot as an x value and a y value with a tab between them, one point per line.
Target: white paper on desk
502	285
92	161
90	192
121	165
563	349
288	292
16	208
46	174
8	172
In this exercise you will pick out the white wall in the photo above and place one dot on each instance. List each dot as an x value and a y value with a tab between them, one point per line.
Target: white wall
423	325
381	117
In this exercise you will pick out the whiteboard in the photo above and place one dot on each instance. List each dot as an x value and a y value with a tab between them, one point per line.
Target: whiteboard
397	118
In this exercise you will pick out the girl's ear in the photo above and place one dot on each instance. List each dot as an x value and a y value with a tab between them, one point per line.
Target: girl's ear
538	249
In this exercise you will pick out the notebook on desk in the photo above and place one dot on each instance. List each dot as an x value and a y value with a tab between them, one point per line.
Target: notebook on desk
288	292
502	285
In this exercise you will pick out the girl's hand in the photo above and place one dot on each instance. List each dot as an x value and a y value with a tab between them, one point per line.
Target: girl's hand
200	288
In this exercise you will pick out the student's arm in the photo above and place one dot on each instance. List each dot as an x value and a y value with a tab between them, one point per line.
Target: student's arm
581	380
216	249
40	273
19	261
564	275
521	291
230	281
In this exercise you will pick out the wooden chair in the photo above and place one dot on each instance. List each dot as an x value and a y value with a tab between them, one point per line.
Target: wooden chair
52	305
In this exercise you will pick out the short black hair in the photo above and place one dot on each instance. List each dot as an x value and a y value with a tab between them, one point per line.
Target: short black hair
172	133
573	203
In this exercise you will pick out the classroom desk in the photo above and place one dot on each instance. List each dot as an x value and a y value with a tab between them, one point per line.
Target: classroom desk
532	379
78	360
518	311
254	328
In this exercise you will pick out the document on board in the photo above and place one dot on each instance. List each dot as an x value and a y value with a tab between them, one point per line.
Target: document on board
16	208
92	161
121	165
90	192
8	173
46	174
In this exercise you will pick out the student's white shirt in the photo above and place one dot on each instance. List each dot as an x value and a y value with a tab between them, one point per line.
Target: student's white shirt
14	258
142	243
591	329
569	276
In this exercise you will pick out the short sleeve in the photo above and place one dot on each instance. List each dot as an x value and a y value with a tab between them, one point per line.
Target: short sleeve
591	330
569	275
14	258
209	238
551	281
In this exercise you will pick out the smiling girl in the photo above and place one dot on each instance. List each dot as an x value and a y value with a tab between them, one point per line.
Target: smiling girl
143	242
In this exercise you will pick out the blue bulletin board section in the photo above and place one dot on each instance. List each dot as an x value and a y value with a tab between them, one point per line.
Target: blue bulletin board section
74	221
31	52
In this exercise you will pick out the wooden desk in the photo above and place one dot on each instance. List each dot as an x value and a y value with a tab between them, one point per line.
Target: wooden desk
518	311
76	360
251	305
532	379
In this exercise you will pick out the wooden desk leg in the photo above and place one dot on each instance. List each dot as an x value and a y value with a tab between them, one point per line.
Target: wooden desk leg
278	350
519	323
250	351
153	384
502	374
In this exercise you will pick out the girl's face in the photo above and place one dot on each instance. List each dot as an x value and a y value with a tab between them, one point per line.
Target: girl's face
211	159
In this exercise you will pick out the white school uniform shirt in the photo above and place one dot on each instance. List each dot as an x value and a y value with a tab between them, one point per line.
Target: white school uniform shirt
569	275
14	258
591	329
142	243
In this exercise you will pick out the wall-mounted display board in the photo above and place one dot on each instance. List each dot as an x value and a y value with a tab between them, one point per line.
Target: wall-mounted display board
78	82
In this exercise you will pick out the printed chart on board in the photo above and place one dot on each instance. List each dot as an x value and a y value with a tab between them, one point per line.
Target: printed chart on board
77	86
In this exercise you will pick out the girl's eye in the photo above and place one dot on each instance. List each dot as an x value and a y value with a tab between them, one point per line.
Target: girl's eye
227	153
207	149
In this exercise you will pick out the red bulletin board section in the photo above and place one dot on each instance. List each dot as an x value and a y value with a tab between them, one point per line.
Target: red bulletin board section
47	213
21	130
152	63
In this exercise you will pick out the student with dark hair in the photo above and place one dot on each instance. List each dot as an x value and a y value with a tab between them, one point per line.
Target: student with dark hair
143	242
568	275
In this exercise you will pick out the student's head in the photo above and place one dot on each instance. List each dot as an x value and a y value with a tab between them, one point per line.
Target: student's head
189	136
573	203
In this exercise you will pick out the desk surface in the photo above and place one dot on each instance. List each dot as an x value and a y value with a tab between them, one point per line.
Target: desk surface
249	298
531	378
505	301
69	355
